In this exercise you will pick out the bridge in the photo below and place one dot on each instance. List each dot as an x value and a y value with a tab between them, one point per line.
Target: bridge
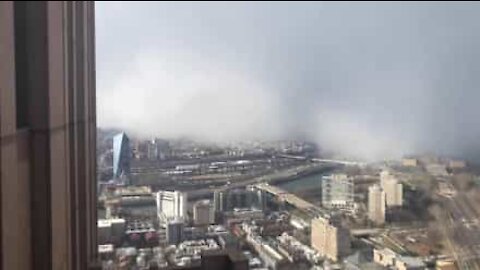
285	196
321	160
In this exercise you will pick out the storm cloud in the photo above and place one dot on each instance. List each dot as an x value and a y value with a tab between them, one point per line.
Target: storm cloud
367	80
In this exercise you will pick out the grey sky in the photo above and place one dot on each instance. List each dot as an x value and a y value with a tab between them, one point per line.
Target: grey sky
371	80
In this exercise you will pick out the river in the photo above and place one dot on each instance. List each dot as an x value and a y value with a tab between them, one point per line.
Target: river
313	181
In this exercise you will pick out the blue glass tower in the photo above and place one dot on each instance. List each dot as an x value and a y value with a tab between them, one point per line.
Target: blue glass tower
121	155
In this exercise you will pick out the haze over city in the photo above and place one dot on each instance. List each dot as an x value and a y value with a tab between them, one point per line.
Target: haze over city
239	135
356	78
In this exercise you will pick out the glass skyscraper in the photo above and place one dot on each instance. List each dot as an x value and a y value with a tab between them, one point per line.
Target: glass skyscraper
337	191
121	155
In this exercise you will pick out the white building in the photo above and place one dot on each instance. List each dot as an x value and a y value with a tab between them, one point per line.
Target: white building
376	204
393	189
171	204
203	213
338	191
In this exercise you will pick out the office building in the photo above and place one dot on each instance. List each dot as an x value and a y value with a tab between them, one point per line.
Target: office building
171	204
122	155
393	189
203	213
330	238
337	191
376	204
218	200
158	149
174	231
48	135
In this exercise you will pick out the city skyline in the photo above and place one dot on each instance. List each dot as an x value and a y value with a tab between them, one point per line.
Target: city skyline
239	136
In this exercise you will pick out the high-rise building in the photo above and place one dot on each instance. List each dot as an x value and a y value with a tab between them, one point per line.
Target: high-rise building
337	191
48	135
174	231
170	205
218	200
330	238
393	189
158	149
376	204
122	155
203	213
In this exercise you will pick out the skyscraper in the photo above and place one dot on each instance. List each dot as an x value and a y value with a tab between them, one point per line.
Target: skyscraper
337	191
376	204
157	149
393	189
330	238
48	135
121	155
170	205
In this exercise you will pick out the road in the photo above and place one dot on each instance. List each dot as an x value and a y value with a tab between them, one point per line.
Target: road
277	176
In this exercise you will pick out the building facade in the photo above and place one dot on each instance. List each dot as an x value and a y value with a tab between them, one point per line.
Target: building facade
203	213
330	238
376	204
171	204
338	191
47	135
158	149
393	189
174	231
122	155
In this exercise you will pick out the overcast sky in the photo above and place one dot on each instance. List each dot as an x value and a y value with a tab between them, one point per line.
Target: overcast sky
369	80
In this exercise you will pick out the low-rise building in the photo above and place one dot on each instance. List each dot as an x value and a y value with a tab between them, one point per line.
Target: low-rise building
445	264
410	162
457	164
389	258
271	257
110	231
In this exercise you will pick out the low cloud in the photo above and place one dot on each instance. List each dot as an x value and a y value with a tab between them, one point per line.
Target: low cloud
369	81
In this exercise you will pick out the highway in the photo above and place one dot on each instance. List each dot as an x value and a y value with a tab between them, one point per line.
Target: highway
283	175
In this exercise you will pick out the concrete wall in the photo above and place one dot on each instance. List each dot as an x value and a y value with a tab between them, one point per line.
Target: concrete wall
47	161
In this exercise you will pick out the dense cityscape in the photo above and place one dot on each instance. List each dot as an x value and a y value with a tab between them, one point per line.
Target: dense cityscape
248	135
182	204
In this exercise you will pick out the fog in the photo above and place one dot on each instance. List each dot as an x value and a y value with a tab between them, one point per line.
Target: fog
366	80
